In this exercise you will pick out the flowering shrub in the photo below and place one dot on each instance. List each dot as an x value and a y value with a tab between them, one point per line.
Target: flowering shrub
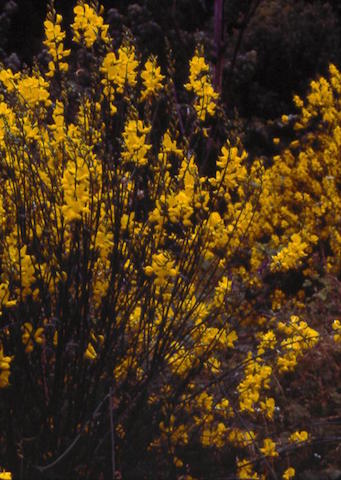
305	179
127	338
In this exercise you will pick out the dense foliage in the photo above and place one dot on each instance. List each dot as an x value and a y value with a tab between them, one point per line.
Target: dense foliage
146	328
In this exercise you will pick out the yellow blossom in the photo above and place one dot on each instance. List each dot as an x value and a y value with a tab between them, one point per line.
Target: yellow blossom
337	328
88	25
244	470
299	437
31	336
5	475
119	70
291	255
152	79
90	352
5	366
135	144
33	91
200	83
163	267
268	407
288	474
54	38
269	448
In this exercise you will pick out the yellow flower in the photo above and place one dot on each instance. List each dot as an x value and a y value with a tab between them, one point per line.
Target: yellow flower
337	327
163	267
29	336
119	70
135	145
179	208
223	288
169	146
200	83
90	352
76	186
152	79
299	437
54	37
241	438
177	462
288	474
269	448
88	25
33	91
291	255
5	476
268	407
4	296
244	470
4	368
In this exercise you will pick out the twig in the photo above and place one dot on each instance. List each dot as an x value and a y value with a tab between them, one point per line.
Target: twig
74	442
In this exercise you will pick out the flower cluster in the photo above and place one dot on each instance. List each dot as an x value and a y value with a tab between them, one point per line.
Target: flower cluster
135	145
300	200
88	25
299	338
119	70
54	38
200	84
152	79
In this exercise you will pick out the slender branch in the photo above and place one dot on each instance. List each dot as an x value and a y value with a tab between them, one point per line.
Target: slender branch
75	440
218	42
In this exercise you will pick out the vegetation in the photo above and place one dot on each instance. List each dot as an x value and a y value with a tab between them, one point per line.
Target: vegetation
157	309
